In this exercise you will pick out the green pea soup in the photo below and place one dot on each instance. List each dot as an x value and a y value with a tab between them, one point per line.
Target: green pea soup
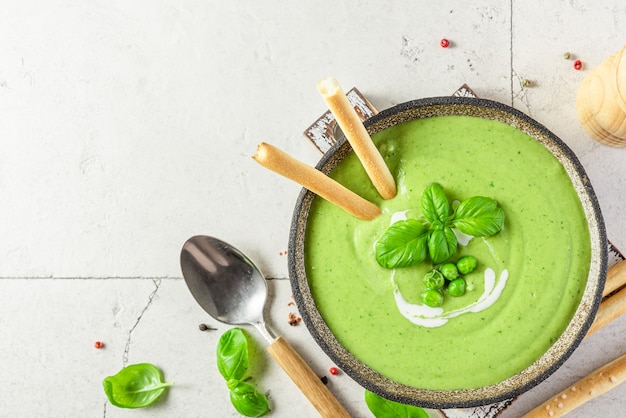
540	260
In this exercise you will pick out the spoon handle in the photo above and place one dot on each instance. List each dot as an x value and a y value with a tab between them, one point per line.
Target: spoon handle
307	381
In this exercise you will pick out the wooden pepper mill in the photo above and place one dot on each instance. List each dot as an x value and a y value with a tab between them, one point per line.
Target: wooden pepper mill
601	101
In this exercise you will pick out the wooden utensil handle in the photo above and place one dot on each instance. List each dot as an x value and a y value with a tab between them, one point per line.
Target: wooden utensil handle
309	383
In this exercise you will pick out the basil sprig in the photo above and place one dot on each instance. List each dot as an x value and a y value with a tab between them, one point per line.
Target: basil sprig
247	401
409	242
135	386
384	408
232	363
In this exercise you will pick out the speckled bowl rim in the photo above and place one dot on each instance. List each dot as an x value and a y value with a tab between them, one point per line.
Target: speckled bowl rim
537	371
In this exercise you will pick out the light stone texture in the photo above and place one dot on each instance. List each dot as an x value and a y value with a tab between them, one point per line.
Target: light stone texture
127	127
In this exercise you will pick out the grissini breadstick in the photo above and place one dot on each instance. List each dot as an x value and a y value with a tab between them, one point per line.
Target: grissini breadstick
358	137
615	278
282	163
615	305
610	309
589	387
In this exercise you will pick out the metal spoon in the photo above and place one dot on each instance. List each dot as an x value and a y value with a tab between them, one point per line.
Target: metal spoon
229	287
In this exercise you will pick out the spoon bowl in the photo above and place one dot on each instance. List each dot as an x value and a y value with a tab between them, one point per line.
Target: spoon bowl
229	287
225	283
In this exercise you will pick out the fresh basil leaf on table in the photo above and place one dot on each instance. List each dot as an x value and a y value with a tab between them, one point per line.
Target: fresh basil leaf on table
479	216
233	351
404	244
232	354
384	408
135	386
247	401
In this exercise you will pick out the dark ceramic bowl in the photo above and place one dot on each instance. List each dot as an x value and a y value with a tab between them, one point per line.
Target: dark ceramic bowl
537	371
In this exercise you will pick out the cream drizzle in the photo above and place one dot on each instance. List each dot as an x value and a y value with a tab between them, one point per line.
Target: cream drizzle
429	317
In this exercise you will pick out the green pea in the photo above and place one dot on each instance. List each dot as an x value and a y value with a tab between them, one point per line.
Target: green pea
432	297
457	287
434	279
449	271
466	264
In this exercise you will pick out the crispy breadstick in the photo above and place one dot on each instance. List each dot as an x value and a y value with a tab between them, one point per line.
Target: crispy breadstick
615	279
610	309
282	163
359	138
615	305
589	387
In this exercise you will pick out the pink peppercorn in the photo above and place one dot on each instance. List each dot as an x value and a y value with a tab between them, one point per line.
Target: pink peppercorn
578	64
98	344
334	371
444	43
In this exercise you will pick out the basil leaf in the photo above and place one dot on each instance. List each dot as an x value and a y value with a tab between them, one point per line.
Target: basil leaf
404	244
479	216
384	408
435	205
442	244
232	354
135	386
248	402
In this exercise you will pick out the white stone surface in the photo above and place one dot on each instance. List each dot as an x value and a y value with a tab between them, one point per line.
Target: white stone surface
128	126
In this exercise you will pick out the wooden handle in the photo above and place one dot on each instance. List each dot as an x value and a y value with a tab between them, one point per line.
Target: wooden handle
589	387
615	305
309	383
